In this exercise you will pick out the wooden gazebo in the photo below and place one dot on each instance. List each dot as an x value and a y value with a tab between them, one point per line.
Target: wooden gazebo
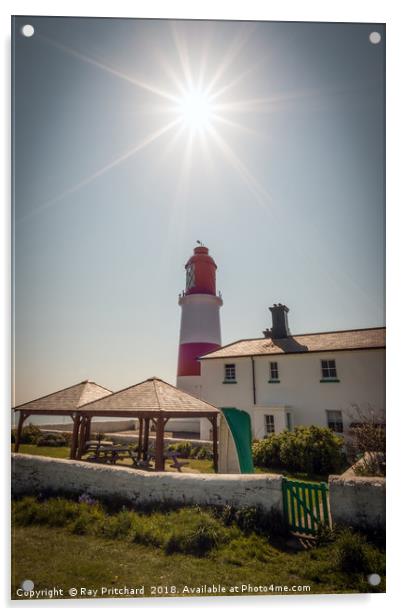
62	403
152	400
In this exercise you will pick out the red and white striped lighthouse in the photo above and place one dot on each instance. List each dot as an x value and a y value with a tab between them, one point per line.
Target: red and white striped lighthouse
200	328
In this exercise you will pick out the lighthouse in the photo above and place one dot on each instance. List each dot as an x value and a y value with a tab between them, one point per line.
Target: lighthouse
200	328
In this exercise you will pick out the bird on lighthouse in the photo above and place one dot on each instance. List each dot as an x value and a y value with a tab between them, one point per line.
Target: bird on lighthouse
200	328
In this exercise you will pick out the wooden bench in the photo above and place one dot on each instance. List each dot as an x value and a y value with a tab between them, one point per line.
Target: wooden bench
176	462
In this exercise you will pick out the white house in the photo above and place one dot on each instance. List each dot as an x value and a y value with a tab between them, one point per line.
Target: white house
283	380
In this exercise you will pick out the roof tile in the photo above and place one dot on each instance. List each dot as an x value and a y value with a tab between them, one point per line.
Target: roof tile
307	343
151	395
68	399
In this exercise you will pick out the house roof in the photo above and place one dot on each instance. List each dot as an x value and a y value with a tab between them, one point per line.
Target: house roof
354	339
68	399
152	395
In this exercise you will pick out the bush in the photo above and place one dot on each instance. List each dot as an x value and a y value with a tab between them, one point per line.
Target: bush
204	454
266	453
312	450
197	541
183	448
51	440
254	520
29	434
366	442
118	526
353	554
53	512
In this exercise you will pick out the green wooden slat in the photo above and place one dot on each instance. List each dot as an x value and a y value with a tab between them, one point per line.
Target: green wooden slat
303	508
285	494
317	505
298	505
311	510
292	508
324	491
311	503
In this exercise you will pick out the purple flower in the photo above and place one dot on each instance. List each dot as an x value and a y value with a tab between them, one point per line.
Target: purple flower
87	499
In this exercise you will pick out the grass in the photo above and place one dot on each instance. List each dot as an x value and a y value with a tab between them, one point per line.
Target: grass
61	543
50	452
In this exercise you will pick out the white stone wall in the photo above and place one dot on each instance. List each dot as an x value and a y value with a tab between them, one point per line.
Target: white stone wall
361	381
35	474
358	502
97	425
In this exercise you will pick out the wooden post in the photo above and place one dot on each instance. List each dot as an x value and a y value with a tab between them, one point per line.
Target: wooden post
214	422
74	437
21	420
139	451
88	428
82	437
159	457
146	438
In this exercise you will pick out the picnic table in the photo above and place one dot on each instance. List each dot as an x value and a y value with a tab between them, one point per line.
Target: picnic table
110	454
105	452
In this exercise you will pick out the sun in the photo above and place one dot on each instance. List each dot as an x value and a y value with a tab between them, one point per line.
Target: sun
195	110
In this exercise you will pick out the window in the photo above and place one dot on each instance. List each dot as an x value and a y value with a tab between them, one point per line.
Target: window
335	421
288	421
230	373
269	424
273	372
328	369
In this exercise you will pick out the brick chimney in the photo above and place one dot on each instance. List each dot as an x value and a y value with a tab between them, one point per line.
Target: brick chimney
280	326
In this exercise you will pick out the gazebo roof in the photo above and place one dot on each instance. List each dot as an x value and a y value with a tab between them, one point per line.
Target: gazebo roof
66	400
150	396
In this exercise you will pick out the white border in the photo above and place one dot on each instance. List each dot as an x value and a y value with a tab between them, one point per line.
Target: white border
288	10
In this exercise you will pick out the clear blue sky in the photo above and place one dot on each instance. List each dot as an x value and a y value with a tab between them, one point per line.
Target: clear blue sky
286	189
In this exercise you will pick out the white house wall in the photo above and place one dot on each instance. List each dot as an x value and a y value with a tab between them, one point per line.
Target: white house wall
361	377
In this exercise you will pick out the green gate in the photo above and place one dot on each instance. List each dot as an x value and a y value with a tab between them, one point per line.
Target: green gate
305	505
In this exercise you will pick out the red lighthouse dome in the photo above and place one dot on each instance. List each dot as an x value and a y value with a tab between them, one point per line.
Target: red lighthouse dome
201	272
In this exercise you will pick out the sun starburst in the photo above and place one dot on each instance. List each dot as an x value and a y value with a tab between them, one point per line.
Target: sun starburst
196	104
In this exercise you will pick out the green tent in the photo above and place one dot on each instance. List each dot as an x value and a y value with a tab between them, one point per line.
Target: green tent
235	440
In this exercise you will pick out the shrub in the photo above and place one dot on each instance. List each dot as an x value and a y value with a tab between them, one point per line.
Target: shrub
194	452
197	541
353	554
266	452
243	550
204	454
57	511
51	440
183	448
29	434
253	520
83	524
53	512
25	511
117	526
312	449
366	441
